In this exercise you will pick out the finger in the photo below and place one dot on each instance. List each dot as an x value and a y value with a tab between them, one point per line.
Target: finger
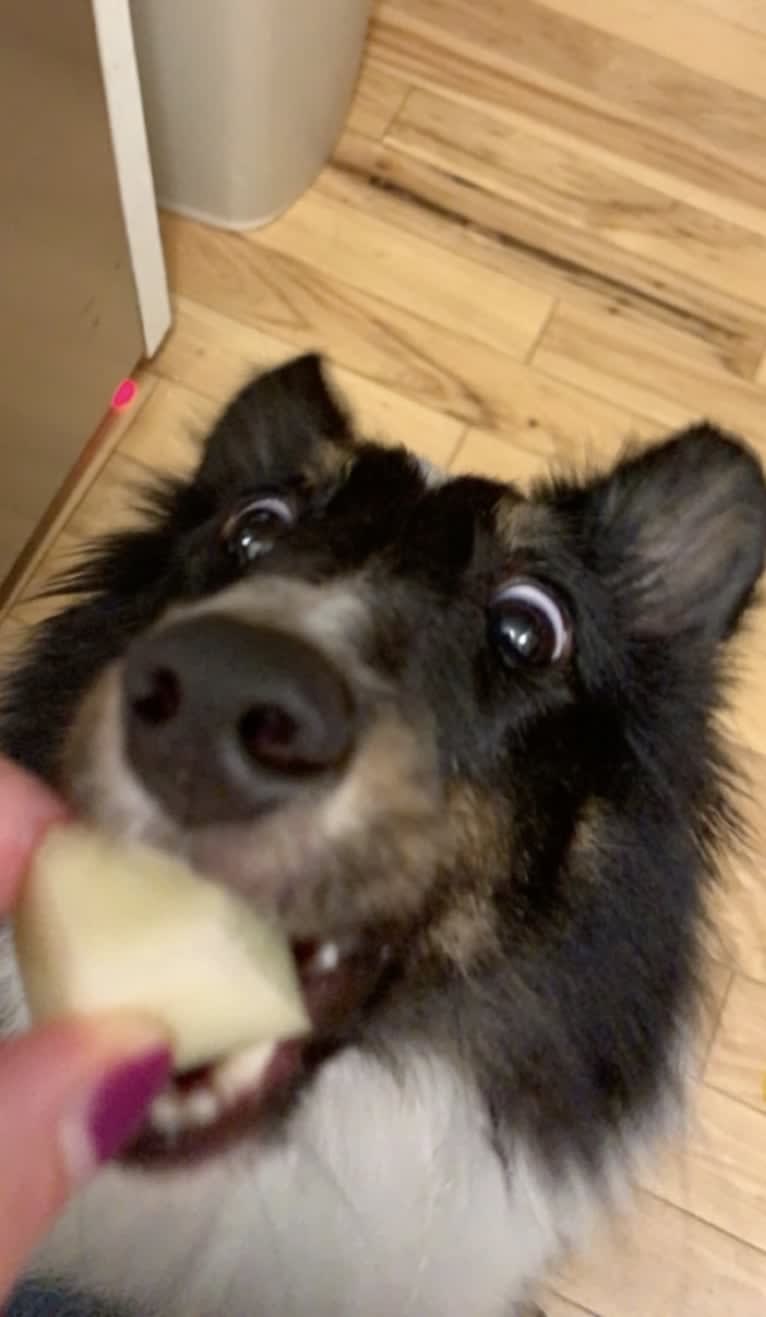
27	808
71	1095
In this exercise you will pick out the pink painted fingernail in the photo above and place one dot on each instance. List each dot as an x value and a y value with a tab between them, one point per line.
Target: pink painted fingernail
120	1103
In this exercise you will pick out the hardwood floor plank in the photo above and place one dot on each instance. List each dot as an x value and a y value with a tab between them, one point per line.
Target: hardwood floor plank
747	15
737	1064
167	437
739	914
658	1262
656	114
112	502
708	43
556	179
646	372
555	1306
716	1170
34	604
285	297
486	453
567	51
739	905
368	254
745	716
379	94
717	980
542	249
215	355
433	365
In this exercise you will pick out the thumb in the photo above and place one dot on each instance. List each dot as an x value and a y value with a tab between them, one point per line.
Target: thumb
71	1095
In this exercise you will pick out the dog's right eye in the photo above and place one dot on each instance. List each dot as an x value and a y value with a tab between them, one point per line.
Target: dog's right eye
252	530
528	625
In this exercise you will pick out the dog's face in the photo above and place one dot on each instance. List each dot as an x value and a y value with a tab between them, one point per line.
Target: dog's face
419	721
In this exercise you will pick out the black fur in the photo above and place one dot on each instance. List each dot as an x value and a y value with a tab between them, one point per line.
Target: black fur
607	784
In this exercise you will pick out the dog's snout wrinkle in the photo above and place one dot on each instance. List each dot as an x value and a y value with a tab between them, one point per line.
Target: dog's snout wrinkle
223	719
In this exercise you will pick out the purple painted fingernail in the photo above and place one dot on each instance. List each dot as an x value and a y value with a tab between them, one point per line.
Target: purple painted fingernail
119	1105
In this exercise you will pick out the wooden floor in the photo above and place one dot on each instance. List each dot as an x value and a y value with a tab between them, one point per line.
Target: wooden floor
544	230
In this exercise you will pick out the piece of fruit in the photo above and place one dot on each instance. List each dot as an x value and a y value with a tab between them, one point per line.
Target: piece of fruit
105	926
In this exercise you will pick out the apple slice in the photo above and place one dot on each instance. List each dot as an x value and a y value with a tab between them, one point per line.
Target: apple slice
106	926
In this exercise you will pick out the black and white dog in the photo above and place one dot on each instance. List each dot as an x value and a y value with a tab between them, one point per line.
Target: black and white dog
460	743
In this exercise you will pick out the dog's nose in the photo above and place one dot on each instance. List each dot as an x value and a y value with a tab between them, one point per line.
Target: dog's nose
224	719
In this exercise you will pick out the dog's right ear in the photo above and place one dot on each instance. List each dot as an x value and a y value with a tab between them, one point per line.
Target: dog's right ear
678	532
267	433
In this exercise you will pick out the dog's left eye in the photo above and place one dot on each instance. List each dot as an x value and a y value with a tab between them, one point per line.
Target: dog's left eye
251	531
528	625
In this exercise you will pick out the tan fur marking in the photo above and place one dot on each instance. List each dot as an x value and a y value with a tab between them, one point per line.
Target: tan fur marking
519	523
331	461
586	854
463	930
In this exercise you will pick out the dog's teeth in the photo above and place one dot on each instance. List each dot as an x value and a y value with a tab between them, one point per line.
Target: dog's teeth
165	1115
242	1072
327	958
200	1107
175	1112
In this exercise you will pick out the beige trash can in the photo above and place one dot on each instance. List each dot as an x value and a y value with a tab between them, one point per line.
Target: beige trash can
244	99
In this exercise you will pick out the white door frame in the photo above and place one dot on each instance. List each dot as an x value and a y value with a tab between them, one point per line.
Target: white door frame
114	32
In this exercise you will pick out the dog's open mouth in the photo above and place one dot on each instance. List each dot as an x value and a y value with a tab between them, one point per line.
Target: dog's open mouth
203	1110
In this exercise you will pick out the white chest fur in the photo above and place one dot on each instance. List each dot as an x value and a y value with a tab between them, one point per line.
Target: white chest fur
385	1199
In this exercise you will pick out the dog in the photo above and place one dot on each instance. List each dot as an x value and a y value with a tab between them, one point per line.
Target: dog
461	744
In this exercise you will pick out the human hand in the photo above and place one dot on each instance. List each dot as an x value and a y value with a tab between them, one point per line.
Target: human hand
71	1093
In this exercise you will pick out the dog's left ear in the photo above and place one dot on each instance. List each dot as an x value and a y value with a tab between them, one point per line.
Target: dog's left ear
679	534
268	431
